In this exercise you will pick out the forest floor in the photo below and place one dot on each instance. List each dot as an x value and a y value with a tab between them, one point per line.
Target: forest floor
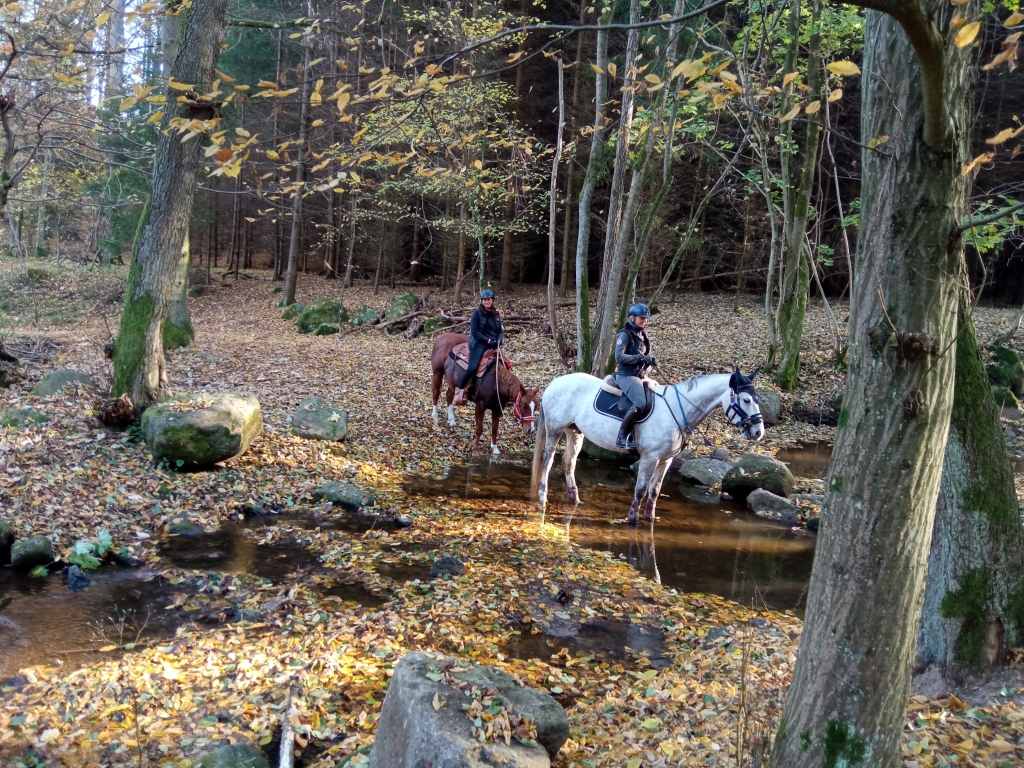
163	702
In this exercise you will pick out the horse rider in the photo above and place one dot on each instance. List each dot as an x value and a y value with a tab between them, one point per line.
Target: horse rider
485	333
632	359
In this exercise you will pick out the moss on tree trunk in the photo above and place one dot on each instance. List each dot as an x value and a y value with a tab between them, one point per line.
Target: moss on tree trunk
178	330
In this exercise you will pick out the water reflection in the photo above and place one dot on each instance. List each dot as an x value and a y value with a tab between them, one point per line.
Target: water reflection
694	547
809	459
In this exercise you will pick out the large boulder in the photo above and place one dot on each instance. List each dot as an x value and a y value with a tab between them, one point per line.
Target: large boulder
22	417
1007	370
403	304
767	504
432	324
704	471
55	381
319	312
345	495
30	552
754	471
413	732
595	451
771	405
233	756
202	429
292	311
316	420
327	329
1004	397
365	315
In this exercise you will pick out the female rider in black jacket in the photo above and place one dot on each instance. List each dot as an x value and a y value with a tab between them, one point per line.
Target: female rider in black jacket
484	333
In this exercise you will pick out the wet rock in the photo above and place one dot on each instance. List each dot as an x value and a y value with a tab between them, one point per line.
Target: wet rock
704	471
123	557
447	566
412	733
1010	434
315	420
403	304
716	633
404	521
6	539
76	578
321	311
196	431
182	525
21	417
817	499
722	454
602	454
344	495
55	381
771	405
813	524
759	622
767	504
30	552
364	316
233	756
755	471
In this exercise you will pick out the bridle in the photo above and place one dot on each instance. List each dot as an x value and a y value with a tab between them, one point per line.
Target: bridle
746	420
521	417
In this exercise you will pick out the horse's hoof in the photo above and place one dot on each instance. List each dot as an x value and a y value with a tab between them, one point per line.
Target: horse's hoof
633	518
649	515
574	495
495	451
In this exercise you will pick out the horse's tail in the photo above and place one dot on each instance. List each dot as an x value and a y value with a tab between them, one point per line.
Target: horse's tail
538	452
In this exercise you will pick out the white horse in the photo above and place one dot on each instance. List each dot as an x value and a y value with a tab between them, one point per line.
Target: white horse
569	407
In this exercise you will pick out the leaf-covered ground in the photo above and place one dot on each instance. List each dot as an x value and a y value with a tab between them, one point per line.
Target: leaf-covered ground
170	700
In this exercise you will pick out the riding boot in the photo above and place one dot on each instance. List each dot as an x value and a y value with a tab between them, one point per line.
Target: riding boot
624	441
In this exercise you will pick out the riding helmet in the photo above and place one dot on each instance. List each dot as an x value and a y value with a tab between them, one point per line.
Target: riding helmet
639	310
486	293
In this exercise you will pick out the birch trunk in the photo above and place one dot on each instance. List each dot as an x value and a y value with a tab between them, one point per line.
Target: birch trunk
139	365
847	702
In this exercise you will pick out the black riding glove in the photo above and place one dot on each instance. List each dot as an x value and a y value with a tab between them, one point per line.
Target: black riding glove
647	360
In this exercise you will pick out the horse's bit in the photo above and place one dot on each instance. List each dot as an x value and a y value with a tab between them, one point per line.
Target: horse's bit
520	417
746	419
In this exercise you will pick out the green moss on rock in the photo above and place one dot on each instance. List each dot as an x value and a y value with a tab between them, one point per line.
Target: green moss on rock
194	432
1004	397
292	312
364	316
321	311
327	329
403	304
436	324
20	417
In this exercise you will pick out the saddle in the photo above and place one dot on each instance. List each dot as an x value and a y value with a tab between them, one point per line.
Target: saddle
460	354
611	402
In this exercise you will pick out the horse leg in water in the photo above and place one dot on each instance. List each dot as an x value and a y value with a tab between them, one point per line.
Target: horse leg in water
495	418
547	459
573	444
654	487
644	473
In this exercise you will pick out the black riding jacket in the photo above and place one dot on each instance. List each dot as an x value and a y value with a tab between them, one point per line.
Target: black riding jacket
485	325
630	345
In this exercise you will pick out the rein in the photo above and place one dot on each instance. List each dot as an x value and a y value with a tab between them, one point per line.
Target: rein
498	365
746	420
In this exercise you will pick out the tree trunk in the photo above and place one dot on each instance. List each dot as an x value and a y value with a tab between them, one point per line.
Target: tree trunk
115	42
798	169
974	596
178	331
506	243
461	269
584	332
292	274
848	698
44	180
553	210
138	351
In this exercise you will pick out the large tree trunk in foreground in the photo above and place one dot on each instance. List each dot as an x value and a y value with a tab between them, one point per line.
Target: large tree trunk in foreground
848	698
178	331
138	351
974	597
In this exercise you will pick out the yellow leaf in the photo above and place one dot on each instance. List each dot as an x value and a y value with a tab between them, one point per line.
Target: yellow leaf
652	79
634	762
224	77
354	176
978	161
1015	18
156	117
272	154
727	77
319	85
437	701
242	132
791	114
1001	745
812	108
789	78
597	69
156	99
843	68
613	70
266	84
478	165
315	99
967	34
835	96
343	100
169	672
317	123
242	87
128	103
107	648
1004	135
957	20
176	86
102	19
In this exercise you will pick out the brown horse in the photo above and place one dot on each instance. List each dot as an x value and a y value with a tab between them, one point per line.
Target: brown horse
497	389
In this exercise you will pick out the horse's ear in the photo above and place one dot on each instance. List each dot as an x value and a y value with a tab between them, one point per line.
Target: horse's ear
753	373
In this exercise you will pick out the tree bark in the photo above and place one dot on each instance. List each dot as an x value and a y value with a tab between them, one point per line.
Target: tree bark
178	330
798	168
974	596
139	366
292	273
553	210
848	698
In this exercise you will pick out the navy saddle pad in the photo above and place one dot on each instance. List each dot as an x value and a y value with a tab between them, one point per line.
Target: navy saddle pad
616	405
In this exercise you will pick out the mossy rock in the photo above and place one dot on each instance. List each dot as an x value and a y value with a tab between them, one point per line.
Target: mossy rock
55	381
30	552
771	405
321	311
1008	370
198	431
233	756
1004	397
436	324
292	312
755	471
21	417
315	420
345	495
276	289
403	304
364	316
603	454
6	539
327	329
196	291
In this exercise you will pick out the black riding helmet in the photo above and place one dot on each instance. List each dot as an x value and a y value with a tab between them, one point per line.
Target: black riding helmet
486	293
639	310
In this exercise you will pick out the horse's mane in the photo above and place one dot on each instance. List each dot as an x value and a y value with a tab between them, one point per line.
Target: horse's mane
509	381
692	382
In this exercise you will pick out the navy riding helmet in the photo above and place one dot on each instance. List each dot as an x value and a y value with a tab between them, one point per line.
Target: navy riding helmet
486	293
639	310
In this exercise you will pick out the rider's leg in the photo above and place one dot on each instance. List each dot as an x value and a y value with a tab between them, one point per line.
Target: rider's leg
475	354
622	442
